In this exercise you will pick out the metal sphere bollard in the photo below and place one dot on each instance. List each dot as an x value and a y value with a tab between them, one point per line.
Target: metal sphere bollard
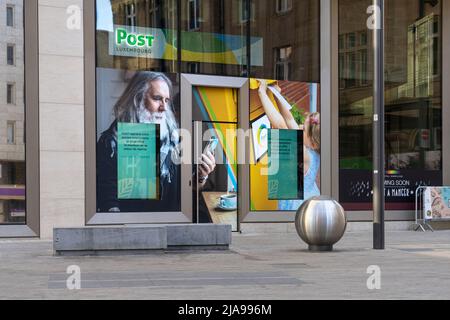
321	222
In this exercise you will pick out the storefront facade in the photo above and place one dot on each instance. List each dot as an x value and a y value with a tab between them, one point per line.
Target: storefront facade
258	84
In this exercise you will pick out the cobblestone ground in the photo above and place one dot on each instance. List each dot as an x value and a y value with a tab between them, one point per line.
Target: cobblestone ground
274	266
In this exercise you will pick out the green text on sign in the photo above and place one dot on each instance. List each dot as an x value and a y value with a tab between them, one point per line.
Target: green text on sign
133	40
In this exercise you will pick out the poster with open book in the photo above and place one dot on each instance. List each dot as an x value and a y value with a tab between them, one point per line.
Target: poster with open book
436	202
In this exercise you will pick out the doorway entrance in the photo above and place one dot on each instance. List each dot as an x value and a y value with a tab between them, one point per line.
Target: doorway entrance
215	125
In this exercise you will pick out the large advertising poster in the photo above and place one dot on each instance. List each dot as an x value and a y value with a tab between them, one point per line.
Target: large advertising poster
289	107
436	203
138	141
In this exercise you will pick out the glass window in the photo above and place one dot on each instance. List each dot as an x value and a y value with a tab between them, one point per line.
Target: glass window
352	63
363	38
215	115
269	34
341	42
244	13
10	54
138	114
130	15
285	144
342	70
214	35
193	67
283	63
10	94
12	147
11	133
193	15
283	6
138	35
214	38
10	16
413	102
351	40
154	12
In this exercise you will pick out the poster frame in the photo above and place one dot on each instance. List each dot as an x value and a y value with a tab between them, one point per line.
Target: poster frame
92	218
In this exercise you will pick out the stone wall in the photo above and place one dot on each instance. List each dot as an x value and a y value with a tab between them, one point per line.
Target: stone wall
61	108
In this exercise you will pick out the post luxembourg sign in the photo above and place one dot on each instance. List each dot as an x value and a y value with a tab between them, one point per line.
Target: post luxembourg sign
156	43
139	42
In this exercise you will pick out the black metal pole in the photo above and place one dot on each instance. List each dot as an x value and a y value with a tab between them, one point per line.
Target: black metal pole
378	130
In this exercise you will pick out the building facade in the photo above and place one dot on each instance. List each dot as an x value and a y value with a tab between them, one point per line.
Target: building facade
12	147
254	81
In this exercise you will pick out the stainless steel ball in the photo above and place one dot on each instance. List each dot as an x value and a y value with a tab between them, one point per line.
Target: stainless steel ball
321	222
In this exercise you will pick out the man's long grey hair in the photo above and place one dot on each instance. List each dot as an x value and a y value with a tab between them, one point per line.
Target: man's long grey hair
128	107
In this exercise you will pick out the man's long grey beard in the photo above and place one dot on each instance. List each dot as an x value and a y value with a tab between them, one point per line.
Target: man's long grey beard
146	116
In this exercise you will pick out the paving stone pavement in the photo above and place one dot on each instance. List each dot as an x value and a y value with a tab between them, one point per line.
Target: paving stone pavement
258	267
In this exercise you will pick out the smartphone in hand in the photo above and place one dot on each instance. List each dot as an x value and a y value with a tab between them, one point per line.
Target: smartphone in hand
212	145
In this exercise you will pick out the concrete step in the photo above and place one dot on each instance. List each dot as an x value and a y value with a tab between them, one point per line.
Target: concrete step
140	239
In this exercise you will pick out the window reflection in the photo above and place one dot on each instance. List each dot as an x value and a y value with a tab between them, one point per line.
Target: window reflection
218	37
283	6
290	33
283	63
413	102
214	37
413	87
138	16
12	109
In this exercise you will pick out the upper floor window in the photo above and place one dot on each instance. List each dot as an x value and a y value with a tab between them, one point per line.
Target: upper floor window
245	12
170	14
11	133
194	67
154	12
130	15
351	40
283	62
353	59
10	93
283	6
10	59
193	15
10	16
363	38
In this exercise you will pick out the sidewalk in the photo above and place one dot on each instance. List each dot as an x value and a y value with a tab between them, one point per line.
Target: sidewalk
275	266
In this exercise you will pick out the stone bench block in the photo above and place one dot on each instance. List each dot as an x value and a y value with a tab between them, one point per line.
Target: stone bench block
192	235
110	239
141	238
